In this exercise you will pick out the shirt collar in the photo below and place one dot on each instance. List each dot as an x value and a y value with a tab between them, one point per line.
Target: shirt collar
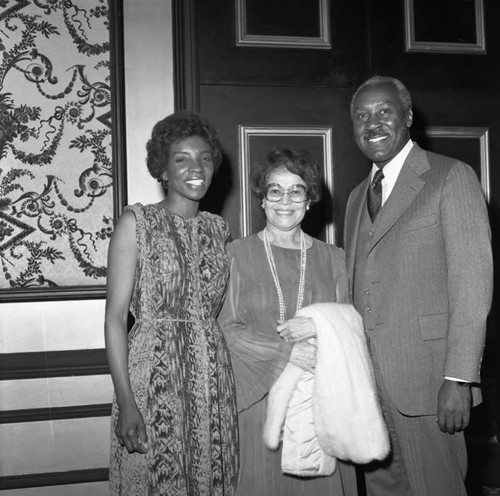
392	170
394	166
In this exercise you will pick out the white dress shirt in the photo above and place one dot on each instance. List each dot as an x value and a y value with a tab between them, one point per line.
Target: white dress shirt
392	170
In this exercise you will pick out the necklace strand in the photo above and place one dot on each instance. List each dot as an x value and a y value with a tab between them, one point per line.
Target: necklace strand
274	273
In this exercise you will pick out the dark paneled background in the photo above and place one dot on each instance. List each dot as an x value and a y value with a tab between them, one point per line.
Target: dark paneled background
253	86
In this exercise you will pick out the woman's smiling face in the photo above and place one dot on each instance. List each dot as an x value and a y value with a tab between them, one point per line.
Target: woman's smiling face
284	215
189	170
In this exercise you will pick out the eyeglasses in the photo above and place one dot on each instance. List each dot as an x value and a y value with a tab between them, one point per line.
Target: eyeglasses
274	193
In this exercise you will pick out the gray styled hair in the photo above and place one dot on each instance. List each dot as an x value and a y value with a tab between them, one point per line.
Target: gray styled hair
403	93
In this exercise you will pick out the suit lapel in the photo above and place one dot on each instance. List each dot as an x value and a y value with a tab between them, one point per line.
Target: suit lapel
358	202
407	187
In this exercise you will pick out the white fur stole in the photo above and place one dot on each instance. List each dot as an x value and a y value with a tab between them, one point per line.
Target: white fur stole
335	413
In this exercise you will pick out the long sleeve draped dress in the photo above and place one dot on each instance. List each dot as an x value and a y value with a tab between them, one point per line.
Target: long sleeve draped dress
248	319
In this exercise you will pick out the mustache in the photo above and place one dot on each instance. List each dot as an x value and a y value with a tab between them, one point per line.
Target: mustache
376	133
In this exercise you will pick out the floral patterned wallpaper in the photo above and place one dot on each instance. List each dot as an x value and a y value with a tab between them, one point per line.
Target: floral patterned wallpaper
56	190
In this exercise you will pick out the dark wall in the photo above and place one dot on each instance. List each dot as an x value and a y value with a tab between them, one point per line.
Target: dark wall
222	62
268	106
238	85
256	86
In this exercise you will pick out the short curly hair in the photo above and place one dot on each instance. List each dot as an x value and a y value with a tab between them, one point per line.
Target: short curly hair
174	128
297	162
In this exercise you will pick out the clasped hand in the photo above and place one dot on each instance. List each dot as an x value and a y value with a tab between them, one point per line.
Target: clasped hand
296	329
304	355
301	331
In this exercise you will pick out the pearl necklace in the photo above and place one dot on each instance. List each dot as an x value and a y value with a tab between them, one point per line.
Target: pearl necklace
274	273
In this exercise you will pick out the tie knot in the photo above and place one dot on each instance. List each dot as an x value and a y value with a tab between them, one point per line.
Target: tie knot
377	178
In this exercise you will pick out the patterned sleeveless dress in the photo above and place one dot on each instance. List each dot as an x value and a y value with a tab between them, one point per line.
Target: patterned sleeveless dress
178	361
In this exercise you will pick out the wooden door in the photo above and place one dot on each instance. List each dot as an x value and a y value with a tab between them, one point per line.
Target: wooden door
283	72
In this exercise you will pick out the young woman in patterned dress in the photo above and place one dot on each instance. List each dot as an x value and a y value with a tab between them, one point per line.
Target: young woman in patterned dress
174	415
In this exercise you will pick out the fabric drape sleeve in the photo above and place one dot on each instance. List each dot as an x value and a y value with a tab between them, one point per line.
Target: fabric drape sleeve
257	356
342	289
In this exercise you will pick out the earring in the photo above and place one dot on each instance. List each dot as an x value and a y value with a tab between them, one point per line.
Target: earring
164	183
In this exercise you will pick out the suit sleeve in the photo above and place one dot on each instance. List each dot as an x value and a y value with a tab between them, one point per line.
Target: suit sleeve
467	243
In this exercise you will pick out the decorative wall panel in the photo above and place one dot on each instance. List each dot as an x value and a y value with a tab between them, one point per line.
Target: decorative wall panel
469	144
255	142
262	23
57	191
448	26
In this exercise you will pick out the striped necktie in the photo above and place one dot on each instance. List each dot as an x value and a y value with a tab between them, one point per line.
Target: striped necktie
374	199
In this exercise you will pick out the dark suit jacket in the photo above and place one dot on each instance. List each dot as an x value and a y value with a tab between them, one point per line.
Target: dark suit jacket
429	276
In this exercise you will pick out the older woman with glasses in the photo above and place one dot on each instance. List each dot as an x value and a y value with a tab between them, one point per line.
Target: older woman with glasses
273	273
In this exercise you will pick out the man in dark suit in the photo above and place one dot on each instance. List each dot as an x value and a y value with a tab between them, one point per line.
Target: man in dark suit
417	242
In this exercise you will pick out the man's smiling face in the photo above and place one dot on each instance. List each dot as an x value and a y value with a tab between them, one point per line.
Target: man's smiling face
381	124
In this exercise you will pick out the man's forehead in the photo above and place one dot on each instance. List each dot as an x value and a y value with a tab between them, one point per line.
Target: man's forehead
377	94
